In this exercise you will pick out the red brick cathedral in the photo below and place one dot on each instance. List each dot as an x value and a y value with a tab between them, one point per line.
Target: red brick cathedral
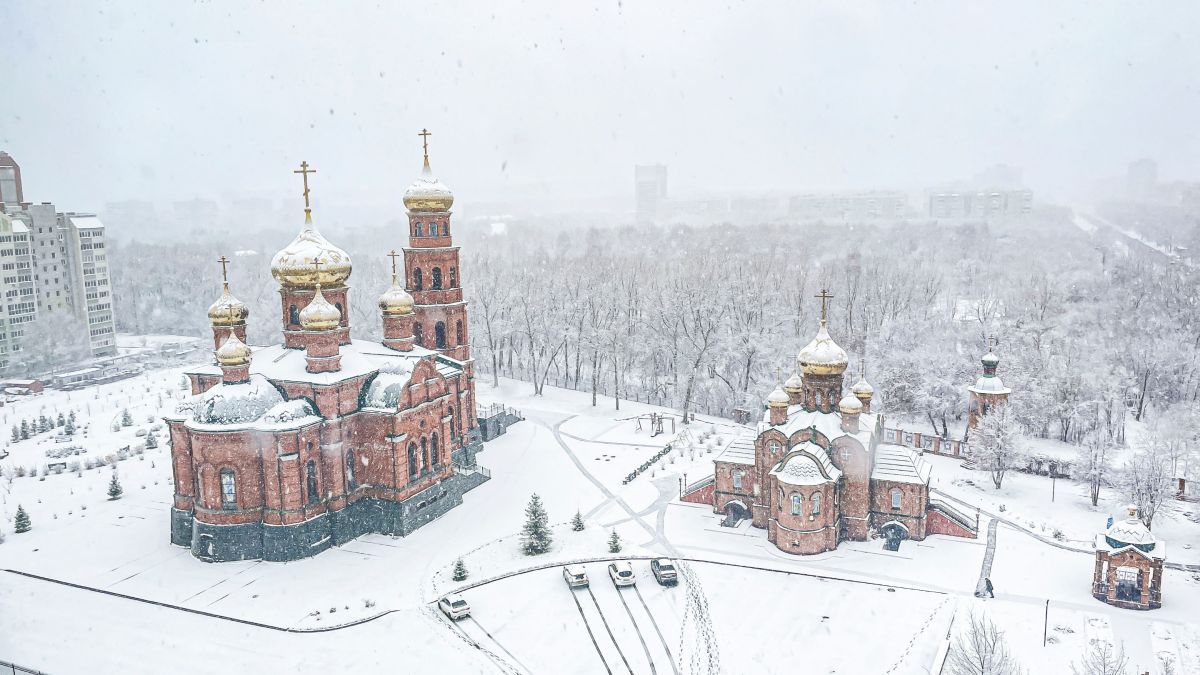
815	472
284	451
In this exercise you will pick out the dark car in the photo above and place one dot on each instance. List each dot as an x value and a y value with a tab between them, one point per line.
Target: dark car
664	571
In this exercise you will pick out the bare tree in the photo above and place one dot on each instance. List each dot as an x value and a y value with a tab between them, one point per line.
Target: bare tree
1147	479
1102	659
980	649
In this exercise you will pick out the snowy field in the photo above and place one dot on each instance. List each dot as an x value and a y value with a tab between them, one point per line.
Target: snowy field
741	602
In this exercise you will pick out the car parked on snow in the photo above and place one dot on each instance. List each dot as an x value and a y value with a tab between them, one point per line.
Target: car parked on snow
664	571
621	573
575	576
454	607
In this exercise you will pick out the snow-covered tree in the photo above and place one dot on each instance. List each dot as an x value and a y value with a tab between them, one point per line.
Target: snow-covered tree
614	542
151	441
1101	658
998	442
16	435
577	522
69	427
1093	465
1147	481
460	570
61	420
24	429
114	487
536	537
981	649
126	418
21	522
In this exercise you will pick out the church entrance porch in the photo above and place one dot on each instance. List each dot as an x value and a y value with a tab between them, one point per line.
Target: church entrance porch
735	512
893	534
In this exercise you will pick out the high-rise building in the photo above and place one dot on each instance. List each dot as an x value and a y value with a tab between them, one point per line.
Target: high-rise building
17	284
650	189
980	204
59	263
11	191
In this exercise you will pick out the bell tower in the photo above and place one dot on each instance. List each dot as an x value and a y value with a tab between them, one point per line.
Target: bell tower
432	273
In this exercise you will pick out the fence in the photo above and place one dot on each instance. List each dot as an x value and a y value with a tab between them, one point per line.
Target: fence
7	668
938	445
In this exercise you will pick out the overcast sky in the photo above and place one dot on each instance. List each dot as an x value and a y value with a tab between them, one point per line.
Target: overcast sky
161	100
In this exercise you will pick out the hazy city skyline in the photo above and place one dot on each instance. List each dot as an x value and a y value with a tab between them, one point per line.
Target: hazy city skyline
121	101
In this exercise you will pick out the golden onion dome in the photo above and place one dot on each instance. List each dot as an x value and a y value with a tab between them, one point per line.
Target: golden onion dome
777	398
293	266
395	301
794	384
822	356
862	389
227	310
850	405
428	194
319	314
233	352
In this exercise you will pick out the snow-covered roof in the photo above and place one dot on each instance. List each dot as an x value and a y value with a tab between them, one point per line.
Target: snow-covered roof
990	384
899	464
822	352
360	357
388	385
829	424
86	222
740	451
810	466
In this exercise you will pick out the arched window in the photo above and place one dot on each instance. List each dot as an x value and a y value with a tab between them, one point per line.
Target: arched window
418	282
737	480
433	451
453	277
419	334
412	461
416	227
350	469
896	495
228	489
816	504
458	336
782	499
453	428
445	228
817	398
797	503
435	279
314	495
439	331
424	456
293	316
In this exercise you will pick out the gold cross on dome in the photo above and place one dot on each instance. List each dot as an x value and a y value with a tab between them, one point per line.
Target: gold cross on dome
991	342
425	134
224	263
825	297
304	171
393	255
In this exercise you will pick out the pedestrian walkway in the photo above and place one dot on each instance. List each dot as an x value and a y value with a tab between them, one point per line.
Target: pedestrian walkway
986	570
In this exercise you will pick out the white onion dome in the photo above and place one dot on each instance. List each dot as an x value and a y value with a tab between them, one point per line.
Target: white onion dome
227	310
822	356
794	384
233	352
863	389
778	398
850	405
1130	532
319	314
990	359
293	266
428	194
395	301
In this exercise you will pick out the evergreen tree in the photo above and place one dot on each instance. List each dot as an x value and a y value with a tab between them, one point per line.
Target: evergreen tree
61	420
151	441
577	521
535	536
16	433
71	418
24	429
126	418
43	424
22	520
614	543
69	427
460	570
114	487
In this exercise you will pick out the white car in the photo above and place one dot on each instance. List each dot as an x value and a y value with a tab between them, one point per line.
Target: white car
454	607
575	576
621	573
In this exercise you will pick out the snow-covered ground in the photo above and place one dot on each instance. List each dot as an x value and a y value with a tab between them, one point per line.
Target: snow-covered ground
744	603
